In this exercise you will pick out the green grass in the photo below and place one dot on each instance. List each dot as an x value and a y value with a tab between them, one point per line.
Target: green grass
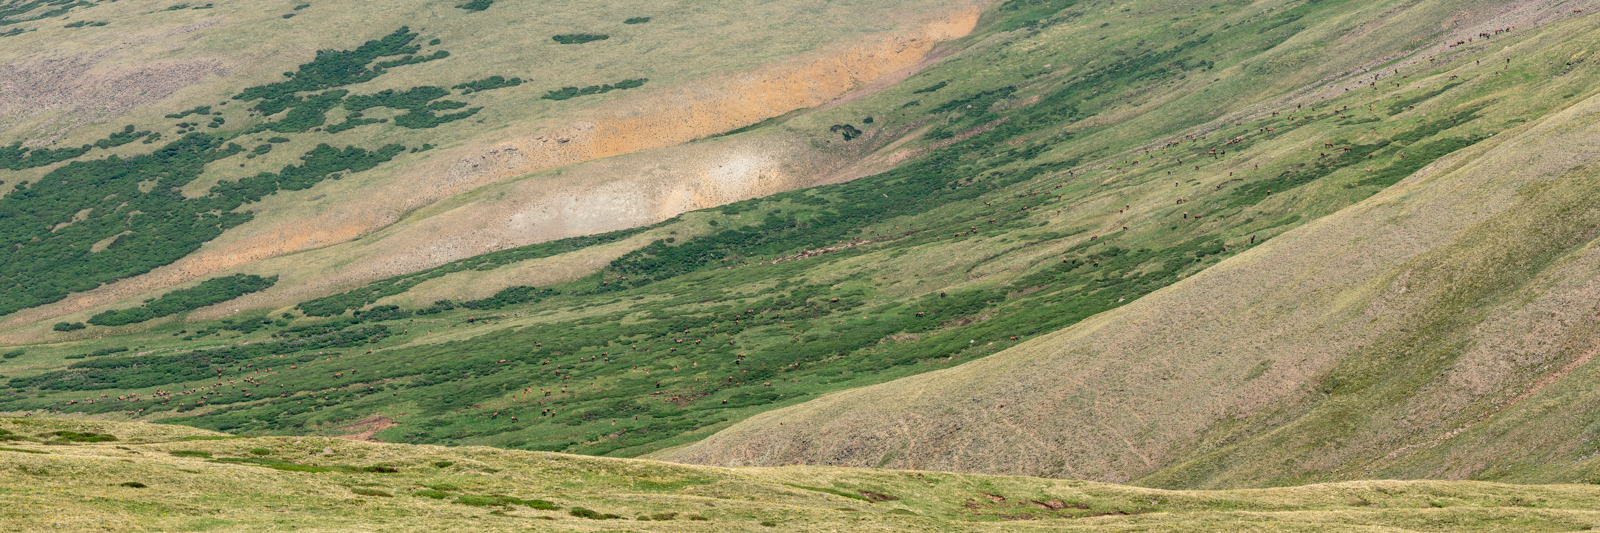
1012	225
758	334
589	494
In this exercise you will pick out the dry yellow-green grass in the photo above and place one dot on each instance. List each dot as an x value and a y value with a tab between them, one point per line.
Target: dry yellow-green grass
197	480
712	68
1442	328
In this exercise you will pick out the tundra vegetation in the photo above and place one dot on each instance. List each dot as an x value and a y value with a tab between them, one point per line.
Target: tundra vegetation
770	304
83	473
1032	194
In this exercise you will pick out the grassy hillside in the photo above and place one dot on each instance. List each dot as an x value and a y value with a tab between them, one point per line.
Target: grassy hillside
178	479
1367	199
816	246
231	106
1432	330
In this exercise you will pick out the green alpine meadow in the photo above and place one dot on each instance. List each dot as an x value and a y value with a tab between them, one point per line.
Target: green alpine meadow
800	265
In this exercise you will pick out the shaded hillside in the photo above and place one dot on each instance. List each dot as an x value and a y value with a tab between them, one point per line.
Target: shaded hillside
59	474
1442	328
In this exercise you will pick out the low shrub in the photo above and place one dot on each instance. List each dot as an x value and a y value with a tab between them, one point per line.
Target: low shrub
132	484
491	82
581	512
489	501
637	20
201	110
73	436
574	92
579	38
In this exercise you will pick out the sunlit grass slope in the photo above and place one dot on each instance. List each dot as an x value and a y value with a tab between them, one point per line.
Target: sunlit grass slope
1068	159
84	476
114	108
1187	243
1441	328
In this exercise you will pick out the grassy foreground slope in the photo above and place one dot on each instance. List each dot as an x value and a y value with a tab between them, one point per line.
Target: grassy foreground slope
1441	328
168	478
1070	159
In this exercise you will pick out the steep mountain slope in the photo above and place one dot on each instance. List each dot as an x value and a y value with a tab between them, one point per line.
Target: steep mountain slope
61	474
1014	186
479	99
1442	328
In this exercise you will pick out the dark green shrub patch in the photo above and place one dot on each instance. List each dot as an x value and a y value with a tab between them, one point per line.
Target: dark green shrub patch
419	102
573	92
132	484
208	292
73	436
17	11
127	135
279	464
46	243
331	69
487	501
12	354
491	82
579	38
372	292
848	131
191	453
152	370
581	512
200	110
637	20
476	5
15	157
68	326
